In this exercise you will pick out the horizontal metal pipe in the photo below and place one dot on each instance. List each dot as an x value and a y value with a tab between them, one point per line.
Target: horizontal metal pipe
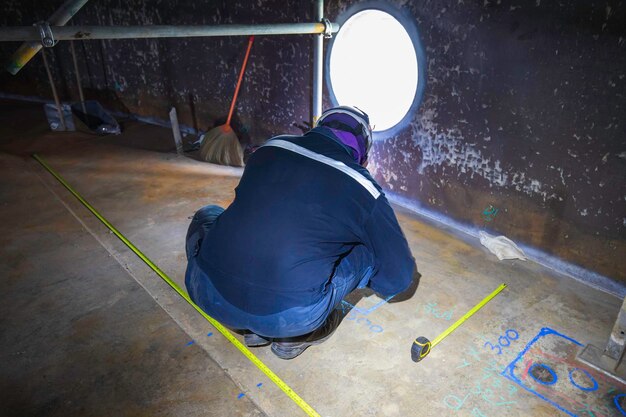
28	50
28	33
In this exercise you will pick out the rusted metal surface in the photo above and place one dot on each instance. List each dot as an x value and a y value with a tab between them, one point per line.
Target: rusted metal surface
148	193
522	112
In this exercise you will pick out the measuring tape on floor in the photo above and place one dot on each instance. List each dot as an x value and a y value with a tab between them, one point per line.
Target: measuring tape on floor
223	330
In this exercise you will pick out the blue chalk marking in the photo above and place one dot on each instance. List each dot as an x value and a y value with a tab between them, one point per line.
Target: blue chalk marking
363	320
378	330
380	303
510	337
465	363
369	310
547	368
209	334
190	343
351	306
595	383
477	413
619	407
459	402
343	307
345	304
241	394
259	384
510	369
494	347
490	212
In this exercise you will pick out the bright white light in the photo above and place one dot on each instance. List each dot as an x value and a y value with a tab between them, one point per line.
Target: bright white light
373	66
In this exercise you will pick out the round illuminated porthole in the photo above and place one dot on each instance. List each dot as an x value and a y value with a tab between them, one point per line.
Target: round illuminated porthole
376	63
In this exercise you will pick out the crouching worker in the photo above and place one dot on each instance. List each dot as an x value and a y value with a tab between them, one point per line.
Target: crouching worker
308	226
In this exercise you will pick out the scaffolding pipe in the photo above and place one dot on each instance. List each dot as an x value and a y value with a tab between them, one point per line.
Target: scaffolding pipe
318	65
78	84
28	50
54	91
65	33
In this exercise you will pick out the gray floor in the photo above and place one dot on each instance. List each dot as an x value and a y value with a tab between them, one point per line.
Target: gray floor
79	335
88	329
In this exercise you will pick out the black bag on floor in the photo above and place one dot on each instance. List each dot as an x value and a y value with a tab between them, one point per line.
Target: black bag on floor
97	119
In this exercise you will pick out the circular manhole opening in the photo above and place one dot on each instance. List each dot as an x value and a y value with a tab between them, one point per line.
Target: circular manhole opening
376	63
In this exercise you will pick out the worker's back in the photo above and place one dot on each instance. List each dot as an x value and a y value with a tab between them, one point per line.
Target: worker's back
302	205
292	220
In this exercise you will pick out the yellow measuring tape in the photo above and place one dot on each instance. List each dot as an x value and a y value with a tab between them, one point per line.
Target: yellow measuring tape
467	316
421	346
223	330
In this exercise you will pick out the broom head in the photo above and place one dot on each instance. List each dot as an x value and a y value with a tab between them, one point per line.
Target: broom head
221	146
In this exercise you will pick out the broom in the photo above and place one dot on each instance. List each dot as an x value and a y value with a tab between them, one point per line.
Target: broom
221	145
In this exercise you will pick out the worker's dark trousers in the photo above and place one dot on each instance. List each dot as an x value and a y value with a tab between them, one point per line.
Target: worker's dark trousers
353	271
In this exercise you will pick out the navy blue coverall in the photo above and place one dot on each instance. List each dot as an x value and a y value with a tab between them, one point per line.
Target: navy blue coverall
307	226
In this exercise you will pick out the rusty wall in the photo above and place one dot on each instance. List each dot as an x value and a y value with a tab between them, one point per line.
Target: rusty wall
196	75
523	113
520	131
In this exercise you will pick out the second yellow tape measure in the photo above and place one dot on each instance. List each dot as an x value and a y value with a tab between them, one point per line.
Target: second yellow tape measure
422	346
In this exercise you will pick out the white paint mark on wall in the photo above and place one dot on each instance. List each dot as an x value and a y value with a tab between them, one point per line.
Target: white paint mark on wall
449	149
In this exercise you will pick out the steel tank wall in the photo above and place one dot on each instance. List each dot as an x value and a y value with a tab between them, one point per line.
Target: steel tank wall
520	131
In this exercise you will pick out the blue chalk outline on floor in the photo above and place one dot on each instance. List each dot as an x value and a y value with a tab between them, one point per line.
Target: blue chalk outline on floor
510	369
580	387
371	309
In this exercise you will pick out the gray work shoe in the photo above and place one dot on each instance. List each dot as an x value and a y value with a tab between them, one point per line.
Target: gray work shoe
291	347
254	340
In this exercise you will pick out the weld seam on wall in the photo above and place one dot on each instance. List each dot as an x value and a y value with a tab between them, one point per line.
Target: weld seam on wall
145	119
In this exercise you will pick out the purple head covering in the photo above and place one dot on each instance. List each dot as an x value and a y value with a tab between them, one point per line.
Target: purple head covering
350	141
345	127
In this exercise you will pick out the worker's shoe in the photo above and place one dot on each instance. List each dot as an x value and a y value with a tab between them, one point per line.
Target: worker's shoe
294	346
254	340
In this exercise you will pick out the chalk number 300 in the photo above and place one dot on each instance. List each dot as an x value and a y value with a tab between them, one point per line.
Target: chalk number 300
503	341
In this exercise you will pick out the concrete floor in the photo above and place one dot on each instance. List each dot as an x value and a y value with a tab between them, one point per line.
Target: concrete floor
89	329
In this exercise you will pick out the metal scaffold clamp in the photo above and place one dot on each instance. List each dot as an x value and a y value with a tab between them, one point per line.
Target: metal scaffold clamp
328	28
47	38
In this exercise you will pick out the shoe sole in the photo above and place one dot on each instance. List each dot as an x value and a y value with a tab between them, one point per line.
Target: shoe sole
286	353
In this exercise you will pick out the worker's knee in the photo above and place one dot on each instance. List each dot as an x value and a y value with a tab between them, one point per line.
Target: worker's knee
202	221
207	214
